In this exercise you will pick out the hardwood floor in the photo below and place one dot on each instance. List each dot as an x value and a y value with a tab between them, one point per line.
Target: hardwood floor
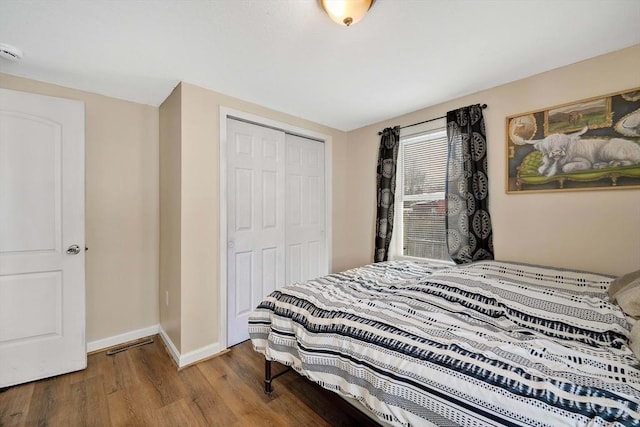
141	387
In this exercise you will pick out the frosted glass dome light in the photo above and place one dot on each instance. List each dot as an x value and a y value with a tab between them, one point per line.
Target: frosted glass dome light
346	12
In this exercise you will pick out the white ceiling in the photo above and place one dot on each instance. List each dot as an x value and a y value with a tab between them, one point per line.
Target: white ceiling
289	56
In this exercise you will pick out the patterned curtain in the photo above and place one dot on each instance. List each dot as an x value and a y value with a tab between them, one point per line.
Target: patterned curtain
469	233
386	176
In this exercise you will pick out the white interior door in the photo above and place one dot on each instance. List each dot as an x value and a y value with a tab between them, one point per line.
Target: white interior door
255	221
42	276
306	255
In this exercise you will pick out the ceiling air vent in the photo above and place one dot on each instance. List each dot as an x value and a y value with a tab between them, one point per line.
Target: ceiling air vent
10	52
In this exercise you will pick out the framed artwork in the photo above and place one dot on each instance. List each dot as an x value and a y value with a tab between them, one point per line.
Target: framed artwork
583	145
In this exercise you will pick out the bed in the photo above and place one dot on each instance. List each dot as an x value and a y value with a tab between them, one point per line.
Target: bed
489	343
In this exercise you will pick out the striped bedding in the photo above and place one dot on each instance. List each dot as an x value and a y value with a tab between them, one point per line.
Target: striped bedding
490	343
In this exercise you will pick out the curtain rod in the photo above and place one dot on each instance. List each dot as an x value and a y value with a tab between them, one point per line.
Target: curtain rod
483	106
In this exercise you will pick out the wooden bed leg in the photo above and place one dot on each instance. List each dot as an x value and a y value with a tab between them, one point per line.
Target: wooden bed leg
267	376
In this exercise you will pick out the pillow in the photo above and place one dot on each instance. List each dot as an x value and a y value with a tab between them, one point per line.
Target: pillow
628	298
561	304
621	282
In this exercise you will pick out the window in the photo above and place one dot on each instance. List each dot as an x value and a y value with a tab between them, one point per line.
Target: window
419	229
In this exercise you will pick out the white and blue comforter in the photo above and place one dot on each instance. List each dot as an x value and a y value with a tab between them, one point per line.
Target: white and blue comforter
491	343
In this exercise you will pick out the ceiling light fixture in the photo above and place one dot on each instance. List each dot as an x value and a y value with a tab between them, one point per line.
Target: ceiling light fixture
346	12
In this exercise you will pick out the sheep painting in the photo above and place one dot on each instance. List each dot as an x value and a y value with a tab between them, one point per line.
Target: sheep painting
583	145
566	153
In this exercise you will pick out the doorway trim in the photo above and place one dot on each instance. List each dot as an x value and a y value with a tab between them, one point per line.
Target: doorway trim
226	113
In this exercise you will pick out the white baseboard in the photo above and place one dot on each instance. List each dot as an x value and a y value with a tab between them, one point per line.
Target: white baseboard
200	354
173	351
122	338
191	357
181	360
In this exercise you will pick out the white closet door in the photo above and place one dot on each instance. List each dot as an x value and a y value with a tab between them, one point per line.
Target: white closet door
255	221
42	270
306	255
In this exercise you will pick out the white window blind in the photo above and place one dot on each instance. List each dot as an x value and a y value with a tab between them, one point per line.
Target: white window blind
420	192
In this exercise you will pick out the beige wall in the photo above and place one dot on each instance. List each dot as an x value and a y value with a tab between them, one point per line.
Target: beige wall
200	204
121	149
200	201
170	215
590	230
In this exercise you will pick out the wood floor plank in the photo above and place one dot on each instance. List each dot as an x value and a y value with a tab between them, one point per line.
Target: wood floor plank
130	407
49	401
205	399
117	370
135	401
177	414
154	370
89	400
142	387
243	399
13	412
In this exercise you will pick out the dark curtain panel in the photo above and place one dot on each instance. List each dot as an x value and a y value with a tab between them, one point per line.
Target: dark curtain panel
386	176
469	233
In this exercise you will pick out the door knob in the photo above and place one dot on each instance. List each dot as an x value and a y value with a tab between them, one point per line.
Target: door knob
73	250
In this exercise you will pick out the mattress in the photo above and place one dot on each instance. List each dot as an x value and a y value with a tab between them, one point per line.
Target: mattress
489	343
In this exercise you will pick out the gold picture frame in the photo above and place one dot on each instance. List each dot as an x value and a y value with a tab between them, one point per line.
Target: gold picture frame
591	144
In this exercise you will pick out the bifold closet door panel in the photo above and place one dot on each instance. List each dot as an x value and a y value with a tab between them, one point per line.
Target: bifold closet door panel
305	209
255	220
